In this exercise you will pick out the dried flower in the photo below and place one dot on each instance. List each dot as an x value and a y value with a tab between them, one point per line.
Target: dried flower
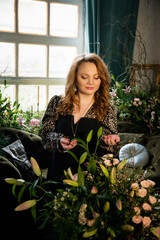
82	219
83	207
91	222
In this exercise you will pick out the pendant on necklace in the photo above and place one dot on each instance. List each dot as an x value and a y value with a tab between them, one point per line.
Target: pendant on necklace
72	127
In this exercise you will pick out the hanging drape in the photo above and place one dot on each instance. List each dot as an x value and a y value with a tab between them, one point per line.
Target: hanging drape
93	26
110	32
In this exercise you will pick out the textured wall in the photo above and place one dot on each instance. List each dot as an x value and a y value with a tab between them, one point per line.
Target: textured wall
149	26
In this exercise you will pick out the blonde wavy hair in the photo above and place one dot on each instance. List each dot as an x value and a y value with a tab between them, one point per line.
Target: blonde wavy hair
102	97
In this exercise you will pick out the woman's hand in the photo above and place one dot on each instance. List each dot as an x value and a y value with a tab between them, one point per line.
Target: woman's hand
111	139
67	144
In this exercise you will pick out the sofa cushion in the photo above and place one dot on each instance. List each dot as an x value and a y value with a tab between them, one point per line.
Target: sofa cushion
153	146
31	142
16	150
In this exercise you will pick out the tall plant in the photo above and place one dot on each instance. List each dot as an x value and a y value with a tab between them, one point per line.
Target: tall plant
8	112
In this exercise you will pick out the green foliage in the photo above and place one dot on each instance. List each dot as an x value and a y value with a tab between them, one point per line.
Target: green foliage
103	200
8	114
137	106
12	116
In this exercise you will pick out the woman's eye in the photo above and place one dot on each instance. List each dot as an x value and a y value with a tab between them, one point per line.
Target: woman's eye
83	77
96	78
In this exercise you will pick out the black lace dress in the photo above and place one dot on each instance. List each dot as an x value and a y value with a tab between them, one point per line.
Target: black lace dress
53	129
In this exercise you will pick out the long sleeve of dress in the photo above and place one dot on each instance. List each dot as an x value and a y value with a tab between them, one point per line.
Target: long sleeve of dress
109	125
50	138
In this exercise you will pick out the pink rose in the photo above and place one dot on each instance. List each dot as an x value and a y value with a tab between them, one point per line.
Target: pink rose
136	99
137	219
135	104
35	122
142	192
146	222
145	184
115	161
108	163
146	207
140	103
151	183
152	200
135	186
137	210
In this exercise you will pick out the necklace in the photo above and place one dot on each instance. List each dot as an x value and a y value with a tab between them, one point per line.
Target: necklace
77	123
74	132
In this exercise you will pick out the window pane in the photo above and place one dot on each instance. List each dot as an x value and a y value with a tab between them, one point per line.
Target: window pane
32	60
7	59
7	15
28	97
8	92
60	59
56	90
32	17
64	20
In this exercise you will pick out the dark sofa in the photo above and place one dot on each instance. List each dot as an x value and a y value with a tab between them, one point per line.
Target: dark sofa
17	225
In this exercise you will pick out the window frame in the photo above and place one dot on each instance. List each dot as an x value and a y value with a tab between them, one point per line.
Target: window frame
47	40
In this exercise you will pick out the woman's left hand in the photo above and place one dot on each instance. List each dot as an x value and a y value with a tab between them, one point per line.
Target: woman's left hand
111	139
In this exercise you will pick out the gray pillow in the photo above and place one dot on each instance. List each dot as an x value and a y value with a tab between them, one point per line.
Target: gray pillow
136	154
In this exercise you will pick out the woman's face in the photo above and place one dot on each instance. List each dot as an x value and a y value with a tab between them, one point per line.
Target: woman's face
88	81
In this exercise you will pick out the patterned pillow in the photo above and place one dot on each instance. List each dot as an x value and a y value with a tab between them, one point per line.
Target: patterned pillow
136	154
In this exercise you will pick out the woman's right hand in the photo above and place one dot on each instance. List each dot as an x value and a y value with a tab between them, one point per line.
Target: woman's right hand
67	144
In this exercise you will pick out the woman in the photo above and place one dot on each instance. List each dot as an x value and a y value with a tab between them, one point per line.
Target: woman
85	107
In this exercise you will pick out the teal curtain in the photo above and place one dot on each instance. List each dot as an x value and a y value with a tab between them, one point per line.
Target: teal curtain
93	26
110	30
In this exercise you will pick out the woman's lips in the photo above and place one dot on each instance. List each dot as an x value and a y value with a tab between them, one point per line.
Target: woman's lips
90	88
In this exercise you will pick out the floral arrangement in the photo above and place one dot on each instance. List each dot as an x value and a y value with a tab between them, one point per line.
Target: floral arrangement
137	106
12	116
103	200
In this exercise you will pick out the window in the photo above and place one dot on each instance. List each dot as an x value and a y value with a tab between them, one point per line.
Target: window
38	41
